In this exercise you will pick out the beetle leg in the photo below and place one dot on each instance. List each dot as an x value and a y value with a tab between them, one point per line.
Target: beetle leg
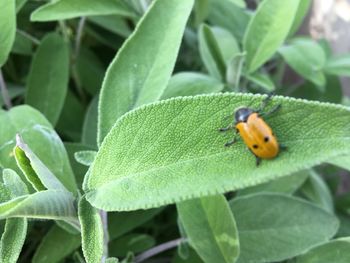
283	147
273	110
233	141
265	102
258	160
230	127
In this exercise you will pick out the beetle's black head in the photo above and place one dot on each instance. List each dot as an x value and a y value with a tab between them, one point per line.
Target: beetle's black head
242	114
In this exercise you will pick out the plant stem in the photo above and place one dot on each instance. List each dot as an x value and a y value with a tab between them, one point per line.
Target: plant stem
4	92
104	218
30	37
158	249
79	36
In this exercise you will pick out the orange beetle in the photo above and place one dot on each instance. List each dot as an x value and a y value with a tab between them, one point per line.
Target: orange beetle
255	132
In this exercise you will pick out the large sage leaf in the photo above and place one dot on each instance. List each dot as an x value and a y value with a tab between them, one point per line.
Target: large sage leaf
140	71
275	227
48	77
211	228
267	30
172	150
335	251
8	28
65	9
38	133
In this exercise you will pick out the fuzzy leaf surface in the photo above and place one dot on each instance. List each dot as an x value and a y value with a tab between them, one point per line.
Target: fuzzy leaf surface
38	133
91	232
65	9
172	150
267	30
211	228
140	71
275	227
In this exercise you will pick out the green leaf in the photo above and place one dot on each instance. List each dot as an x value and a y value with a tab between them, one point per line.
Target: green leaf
113	23
335	251
65	9
72	117
341	161
91	232
89	135
267	30
303	8
120	223
211	228
228	15
12	239
35	171
234	70
56	245
143	159
210	52
134	242
307	58
79	169
201	11
48	204
287	185
275	227
22	45
316	190
85	157
191	83
20	4
262	80
8	28
38	133
15	230
140	71
339	65
227	43
90	71
48	77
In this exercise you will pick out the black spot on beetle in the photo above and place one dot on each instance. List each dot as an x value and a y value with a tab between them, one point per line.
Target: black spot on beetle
266	139
255	146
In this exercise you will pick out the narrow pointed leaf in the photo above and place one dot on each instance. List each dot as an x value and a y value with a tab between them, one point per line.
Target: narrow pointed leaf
140	71
303	8
275	227
335	251
39	135
48	204
65	9
339	65
8	28
48	77
91	231
210	53
172	150
89	135
210	228
267	30
37	173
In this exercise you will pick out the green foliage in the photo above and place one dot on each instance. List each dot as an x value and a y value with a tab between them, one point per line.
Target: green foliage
48	77
159	157
125	99
267	30
145	77
8	28
269	232
211	228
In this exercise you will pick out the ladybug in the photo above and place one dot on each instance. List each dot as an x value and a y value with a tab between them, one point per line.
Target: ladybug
255	132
